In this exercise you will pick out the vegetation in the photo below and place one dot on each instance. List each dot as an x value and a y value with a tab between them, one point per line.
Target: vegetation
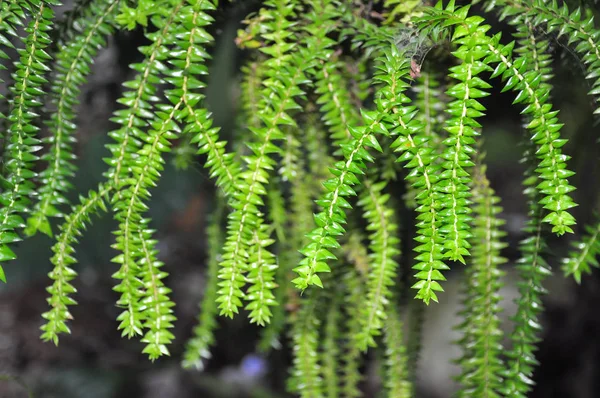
356	120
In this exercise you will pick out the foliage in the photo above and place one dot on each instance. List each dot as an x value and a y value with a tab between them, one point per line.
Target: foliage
336	104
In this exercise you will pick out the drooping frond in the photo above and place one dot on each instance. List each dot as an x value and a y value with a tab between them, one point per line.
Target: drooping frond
397	371
585	254
531	43
578	26
158	312
346	173
298	222
134	238
283	74
22	143
384	246
306	379
462	127
132	175
223	166
522	77
419	157
197	349
261	275
430	103
338	112
533	269
62	274
139	97
336	100
482	350
12	16
73	64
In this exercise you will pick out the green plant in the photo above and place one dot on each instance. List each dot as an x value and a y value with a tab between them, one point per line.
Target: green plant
337	104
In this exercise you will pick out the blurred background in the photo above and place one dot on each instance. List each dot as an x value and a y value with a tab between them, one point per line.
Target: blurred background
95	362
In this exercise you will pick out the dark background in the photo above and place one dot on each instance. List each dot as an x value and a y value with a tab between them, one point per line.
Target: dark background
95	362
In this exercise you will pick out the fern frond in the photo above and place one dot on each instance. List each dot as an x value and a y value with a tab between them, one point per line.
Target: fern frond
338	112
334	99
384	247
397	373
424	176
430	103
537	50
261	274
138	99
158	311
282	78
198	124
130	236
145	171
329	222
585	254
299	221
223	166
21	135
578	26
306	379
73	64
129	137
545	128
533	269
134	239
62	274
197	349
470	35
481	363
346	174
12	15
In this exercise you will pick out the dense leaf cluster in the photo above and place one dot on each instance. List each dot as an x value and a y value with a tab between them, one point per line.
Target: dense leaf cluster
338	113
